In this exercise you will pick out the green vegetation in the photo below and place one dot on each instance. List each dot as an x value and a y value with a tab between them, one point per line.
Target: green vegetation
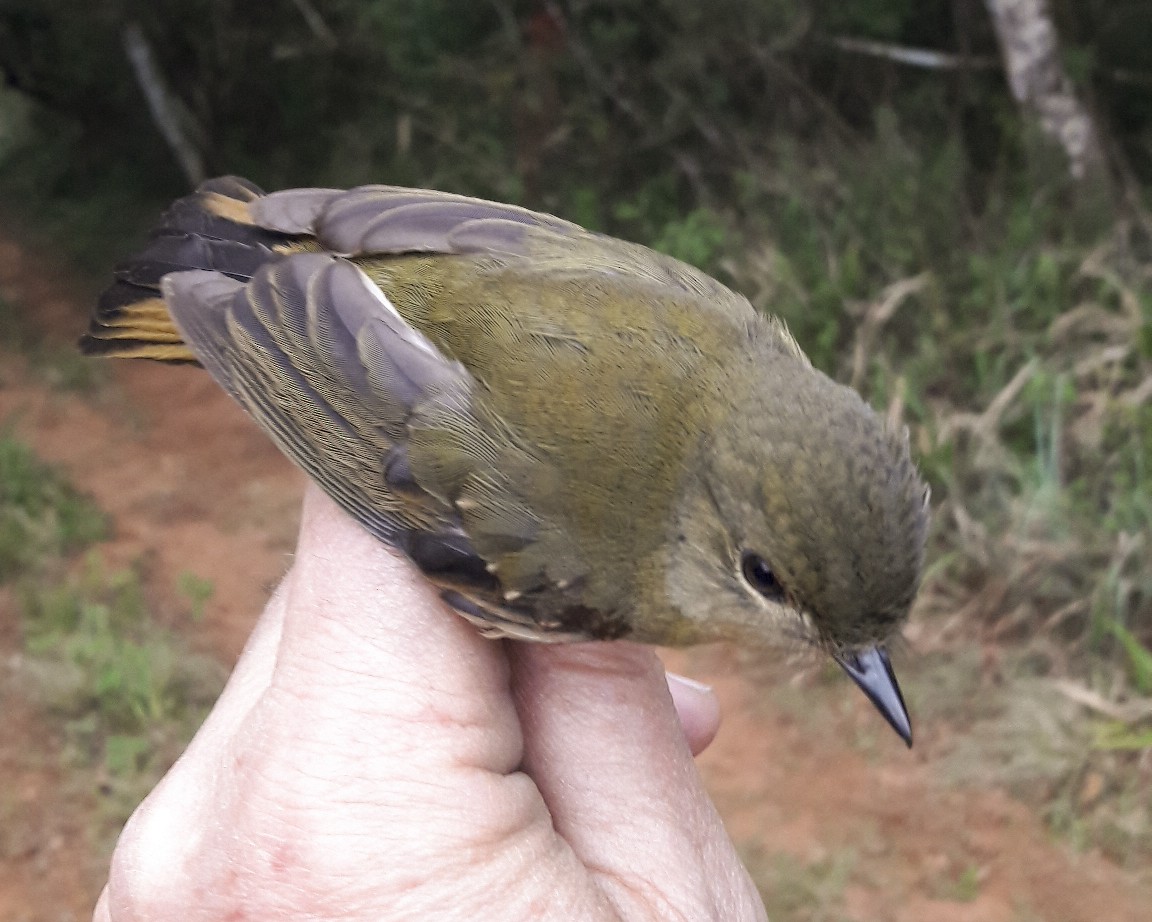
197	590
63	368
795	891
960	888
902	221
128	693
41	516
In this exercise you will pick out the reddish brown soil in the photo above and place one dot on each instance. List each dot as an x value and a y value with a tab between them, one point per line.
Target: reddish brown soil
192	486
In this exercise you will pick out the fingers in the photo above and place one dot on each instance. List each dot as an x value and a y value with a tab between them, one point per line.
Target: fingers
101	913
368	753
369	630
149	857
345	748
604	745
698	710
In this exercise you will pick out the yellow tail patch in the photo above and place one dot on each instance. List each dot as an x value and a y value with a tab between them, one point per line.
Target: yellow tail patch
140	330
225	207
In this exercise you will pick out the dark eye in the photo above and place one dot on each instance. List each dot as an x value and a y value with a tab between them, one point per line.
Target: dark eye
760	577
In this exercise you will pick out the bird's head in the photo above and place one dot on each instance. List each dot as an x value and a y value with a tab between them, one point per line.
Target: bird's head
804	517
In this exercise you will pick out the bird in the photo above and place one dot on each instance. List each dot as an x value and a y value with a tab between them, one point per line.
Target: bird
572	436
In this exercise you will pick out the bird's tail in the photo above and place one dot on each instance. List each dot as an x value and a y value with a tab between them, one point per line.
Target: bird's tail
209	229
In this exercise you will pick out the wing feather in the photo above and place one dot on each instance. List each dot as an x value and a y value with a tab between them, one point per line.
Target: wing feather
380	418
390	220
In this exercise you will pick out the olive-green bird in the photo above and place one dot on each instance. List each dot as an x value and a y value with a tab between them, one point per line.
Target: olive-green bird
574	437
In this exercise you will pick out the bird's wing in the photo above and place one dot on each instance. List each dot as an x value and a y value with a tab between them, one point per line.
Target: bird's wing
391	220
361	400
541	312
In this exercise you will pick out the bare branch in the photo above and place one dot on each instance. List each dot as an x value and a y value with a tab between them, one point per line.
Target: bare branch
167	111
914	57
316	23
877	315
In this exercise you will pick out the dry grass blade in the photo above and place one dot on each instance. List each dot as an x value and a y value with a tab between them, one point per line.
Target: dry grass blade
877	314
1129	712
1139	395
1096	266
988	422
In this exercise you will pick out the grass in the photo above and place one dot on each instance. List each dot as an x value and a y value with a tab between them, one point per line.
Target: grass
63	368
1032	737
125	693
798	891
966	887
129	693
42	517
957	886
197	591
1013	337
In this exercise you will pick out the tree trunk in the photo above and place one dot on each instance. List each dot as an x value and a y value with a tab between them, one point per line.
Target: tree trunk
1030	48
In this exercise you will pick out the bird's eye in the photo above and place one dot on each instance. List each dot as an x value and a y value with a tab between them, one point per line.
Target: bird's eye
760	577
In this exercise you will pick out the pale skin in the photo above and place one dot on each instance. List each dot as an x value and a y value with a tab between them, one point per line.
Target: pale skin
374	758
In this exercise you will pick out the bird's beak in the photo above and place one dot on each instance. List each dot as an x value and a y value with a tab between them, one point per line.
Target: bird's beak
872	671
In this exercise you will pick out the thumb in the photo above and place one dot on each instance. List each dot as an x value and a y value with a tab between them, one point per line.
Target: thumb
605	747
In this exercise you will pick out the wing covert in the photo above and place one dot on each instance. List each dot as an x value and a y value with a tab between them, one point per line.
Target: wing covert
381	420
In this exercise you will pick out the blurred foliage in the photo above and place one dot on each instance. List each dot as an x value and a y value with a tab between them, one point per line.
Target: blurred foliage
60	366
894	216
540	101
41	515
128	691
797	891
898	218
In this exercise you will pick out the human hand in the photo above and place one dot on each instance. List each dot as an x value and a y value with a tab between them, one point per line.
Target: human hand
374	758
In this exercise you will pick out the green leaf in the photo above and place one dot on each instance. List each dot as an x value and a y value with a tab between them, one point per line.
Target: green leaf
124	753
1120	736
1139	657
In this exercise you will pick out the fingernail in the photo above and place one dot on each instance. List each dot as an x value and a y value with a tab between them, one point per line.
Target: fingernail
689	683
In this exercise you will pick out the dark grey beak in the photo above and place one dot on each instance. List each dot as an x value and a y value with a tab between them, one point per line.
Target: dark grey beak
872	671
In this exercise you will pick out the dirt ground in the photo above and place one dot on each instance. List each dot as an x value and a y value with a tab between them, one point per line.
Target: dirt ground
807	778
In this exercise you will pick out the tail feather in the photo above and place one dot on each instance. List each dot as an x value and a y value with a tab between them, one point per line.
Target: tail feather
176	251
210	229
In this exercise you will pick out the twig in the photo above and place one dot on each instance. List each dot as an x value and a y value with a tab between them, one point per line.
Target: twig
914	57
162	103
989	421
1129	713
878	314
316	24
